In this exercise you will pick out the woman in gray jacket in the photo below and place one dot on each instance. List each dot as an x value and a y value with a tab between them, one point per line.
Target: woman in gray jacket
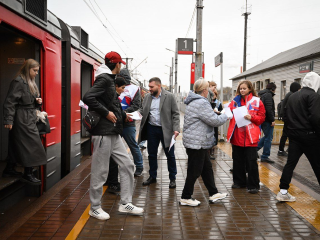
198	138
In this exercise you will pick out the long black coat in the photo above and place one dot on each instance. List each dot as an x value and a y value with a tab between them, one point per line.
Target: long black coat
19	109
267	98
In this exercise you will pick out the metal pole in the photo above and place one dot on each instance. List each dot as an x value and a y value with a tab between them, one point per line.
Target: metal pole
198	70
176	66
175	82
245	42
221	96
170	83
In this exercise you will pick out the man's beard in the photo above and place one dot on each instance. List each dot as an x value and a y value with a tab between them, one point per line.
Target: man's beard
155	93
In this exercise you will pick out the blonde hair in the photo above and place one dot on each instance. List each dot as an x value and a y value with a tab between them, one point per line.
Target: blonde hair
24	73
200	85
249	85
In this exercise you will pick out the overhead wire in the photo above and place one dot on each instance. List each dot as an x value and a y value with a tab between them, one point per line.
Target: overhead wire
192	18
97	16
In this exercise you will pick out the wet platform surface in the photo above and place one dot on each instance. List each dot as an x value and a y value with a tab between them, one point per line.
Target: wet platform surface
239	216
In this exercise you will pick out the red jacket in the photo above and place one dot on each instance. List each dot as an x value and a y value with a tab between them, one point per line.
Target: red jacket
249	135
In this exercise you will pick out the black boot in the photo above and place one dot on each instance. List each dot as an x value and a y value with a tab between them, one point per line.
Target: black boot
9	171
29	178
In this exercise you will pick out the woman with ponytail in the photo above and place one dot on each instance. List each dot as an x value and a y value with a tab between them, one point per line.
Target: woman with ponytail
20	117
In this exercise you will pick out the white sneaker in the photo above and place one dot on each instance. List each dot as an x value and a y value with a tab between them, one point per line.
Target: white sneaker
99	214
217	196
131	209
285	197
189	202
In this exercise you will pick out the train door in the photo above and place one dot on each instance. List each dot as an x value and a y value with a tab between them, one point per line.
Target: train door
86	83
15	48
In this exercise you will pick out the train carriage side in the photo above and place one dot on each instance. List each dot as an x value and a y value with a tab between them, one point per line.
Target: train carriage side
23	36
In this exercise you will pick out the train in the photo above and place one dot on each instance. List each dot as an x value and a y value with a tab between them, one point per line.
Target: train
68	62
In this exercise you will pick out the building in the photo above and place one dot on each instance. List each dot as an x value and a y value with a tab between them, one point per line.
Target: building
283	69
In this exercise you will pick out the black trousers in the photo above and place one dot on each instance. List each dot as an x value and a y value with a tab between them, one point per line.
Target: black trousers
283	138
304	144
198	164
245	158
113	173
216	135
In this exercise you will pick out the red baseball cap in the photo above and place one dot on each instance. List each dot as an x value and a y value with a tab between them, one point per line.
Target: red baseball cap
114	57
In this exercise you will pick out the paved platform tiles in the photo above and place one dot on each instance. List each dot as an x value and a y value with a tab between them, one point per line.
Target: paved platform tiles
240	216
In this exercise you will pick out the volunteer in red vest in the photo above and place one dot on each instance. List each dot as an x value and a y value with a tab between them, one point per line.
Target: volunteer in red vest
245	139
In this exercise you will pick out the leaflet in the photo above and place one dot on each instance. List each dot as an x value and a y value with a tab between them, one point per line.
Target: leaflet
135	115
239	114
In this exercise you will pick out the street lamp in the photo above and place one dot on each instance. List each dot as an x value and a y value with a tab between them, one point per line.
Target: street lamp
170	82
176	68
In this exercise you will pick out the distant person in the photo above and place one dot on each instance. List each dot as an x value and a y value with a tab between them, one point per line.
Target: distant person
267	127
107	142
20	117
245	139
279	107
160	122
131	101
293	88
302	117
198	138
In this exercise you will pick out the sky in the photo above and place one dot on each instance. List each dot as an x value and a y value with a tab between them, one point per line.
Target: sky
141	29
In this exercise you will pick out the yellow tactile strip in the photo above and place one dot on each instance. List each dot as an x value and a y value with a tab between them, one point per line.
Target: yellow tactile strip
73	234
305	205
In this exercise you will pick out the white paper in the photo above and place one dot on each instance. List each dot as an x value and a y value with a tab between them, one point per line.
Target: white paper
173	141
226	105
239	114
81	104
135	115
228	112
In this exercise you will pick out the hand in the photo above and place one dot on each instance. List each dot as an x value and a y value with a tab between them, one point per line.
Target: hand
8	126
128	118
39	100
176	134
111	117
248	117
273	124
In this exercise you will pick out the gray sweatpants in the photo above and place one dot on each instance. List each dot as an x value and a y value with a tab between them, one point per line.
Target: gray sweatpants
103	148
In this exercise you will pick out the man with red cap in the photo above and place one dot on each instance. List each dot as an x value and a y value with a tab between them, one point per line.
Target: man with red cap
107	142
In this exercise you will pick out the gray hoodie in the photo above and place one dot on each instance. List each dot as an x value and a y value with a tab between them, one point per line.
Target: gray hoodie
199	121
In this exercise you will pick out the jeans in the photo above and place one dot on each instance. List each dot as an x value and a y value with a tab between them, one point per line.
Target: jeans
245	159
307	144
155	136
198	164
129	135
265	142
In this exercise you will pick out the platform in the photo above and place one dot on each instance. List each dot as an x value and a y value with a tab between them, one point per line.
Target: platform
62	213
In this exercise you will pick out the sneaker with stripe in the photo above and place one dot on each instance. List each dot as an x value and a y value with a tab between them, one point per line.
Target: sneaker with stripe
189	202
217	196
130	209
99	214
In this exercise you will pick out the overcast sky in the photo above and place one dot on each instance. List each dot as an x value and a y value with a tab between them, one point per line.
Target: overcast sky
144	28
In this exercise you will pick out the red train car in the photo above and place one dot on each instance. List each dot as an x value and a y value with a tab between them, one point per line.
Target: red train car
68	62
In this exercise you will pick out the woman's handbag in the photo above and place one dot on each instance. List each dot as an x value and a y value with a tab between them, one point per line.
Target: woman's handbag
43	127
90	120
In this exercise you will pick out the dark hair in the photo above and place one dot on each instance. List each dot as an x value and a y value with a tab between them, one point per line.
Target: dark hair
271	86
155	79
109	64
119	81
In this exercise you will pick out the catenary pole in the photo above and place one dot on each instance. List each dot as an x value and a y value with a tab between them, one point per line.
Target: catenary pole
176	66
198	70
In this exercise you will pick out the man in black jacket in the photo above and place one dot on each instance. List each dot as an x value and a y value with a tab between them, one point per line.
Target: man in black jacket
267	127
293	88
107	142
302	116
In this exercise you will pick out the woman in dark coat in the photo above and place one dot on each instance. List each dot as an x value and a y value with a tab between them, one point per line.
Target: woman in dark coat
20	118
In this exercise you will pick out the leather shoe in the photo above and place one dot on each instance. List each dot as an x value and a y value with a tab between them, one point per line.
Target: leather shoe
30	179
253	191
236	186
267	160
149	181
172	184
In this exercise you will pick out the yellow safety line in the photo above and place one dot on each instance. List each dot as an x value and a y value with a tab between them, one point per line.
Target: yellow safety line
307	206
73	234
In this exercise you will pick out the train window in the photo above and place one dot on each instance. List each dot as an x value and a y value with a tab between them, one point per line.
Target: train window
84	39
37	9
